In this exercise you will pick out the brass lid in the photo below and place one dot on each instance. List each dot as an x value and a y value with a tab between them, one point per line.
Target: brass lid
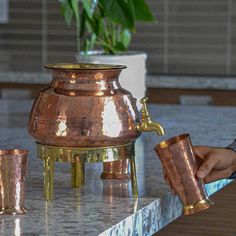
84	66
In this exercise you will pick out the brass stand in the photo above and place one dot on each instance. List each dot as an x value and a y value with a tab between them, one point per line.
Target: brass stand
78	157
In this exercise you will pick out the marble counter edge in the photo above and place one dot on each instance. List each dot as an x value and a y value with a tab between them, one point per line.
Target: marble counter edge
25	77
190	82
156	215
152	81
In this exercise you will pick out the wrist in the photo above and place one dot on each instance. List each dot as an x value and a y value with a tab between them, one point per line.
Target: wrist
233	176
233	157
233	160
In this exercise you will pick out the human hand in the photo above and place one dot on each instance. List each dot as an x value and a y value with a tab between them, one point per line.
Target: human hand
216	163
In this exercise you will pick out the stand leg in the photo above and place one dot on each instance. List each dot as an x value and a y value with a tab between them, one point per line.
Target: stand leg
48	178
133	177
77	174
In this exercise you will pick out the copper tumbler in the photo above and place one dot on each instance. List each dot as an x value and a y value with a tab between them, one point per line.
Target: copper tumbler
13	166
116	169
180	165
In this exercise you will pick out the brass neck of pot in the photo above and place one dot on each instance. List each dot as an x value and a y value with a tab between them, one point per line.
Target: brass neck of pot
147	125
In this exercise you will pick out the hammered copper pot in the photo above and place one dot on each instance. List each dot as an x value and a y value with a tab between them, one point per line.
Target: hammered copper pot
85	106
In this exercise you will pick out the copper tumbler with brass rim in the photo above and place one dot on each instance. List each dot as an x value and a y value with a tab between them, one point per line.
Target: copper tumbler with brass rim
180	166
13	167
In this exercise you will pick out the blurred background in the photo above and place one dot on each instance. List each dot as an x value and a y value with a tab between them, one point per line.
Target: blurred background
191	49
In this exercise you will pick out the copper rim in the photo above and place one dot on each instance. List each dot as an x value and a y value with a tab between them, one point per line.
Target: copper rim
13	152
166	143
84	66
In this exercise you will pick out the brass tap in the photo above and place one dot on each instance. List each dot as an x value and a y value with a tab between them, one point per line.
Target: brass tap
147	125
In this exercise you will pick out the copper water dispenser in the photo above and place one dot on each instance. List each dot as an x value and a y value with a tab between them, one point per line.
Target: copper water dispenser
84	115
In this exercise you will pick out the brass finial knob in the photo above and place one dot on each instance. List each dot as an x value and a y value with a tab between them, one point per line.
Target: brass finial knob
144	100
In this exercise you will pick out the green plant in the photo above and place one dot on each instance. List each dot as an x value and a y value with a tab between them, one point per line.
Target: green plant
105	24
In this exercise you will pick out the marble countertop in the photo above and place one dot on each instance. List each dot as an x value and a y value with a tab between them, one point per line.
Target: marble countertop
191	82
89	210
152	81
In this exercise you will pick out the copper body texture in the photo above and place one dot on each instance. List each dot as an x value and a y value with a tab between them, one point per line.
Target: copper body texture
84	106
13	167
180	166
85	115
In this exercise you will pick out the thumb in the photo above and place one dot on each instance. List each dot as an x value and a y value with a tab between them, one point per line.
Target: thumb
207	166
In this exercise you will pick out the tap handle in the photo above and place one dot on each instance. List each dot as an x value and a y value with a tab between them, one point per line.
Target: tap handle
144	100
144	110
147	125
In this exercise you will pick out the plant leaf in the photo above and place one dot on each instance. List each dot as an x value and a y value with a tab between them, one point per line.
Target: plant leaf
66	11
142	11
93	39
120	11
82	25
75	8
125	38
120	47
88	8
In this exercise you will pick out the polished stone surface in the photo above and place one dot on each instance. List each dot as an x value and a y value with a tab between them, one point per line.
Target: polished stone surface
152	81
25	77
90	210
191	82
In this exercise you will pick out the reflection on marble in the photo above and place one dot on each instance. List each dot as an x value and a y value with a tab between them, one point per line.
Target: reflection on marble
91	210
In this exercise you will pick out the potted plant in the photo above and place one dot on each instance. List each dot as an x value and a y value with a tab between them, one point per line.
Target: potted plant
104	30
